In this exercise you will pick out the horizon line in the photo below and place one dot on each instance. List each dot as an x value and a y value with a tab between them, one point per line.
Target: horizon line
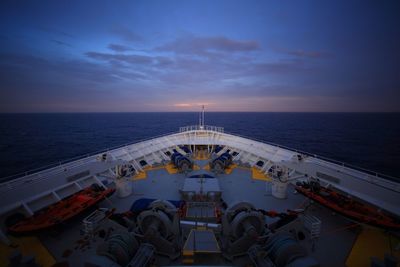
118	112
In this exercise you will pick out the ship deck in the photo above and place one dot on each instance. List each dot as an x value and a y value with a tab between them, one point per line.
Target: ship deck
332	248
239	185
341	242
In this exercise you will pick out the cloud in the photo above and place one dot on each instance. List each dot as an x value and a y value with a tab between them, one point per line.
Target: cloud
208	45
30	83
190	105
164	61
278	67
56	31
263	89
61	43
183	105
120	48
43	70
207	68
130	59
308	54
210	61
300	53
126	34
149	64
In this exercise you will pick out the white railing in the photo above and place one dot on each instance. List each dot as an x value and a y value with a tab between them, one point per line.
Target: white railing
45	172
324	158
201	128
370	176
71	162
41	173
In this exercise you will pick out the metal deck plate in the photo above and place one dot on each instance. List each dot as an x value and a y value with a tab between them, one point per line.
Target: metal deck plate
201	241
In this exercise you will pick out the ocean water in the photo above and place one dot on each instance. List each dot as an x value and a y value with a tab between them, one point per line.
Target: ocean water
367	140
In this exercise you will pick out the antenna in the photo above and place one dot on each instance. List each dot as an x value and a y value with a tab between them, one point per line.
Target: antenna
202	117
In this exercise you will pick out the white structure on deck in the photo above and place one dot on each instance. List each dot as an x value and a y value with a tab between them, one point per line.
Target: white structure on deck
32	192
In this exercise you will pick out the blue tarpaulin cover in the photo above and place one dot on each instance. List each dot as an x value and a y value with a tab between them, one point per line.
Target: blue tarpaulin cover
218	148
202	176
143	203
186	149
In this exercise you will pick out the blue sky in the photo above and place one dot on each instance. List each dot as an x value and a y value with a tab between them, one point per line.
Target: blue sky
121	56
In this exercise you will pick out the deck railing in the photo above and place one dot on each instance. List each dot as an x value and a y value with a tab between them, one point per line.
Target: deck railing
201	128
63	163
209	128
330	160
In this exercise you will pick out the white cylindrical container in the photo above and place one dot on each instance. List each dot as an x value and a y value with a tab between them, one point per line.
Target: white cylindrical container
279	189
123	187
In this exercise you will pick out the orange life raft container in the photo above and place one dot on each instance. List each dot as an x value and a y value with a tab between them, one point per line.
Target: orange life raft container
346	206
62	210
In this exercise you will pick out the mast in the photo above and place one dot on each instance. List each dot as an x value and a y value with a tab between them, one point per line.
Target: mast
202	115
201	118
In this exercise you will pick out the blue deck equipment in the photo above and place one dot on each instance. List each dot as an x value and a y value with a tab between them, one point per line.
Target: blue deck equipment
218	148
221	162
181	162
143	204
204	175
185	149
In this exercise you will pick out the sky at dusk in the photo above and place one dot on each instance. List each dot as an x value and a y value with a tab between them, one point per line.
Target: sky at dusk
122	56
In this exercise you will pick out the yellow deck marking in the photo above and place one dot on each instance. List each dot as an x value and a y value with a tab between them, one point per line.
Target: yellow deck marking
371	242
28	245
139	176
243	168
191	252
258	175
230	168
235	166
188	261
188	253
171	168
151	168
202	157
207	167
196	167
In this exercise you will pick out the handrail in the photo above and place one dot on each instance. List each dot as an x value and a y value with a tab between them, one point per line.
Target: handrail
343	164
201	128
188	129
63	162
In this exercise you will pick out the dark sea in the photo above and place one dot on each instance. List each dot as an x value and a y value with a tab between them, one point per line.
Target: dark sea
367	140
